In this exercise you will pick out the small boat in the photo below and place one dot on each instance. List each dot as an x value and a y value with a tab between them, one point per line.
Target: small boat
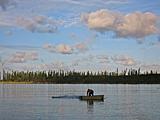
95	97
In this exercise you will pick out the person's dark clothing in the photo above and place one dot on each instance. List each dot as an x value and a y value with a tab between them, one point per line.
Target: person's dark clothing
90	92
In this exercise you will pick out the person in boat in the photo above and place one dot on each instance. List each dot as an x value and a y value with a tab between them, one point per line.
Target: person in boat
90	92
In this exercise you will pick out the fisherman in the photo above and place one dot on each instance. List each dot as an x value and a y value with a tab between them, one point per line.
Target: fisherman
90	92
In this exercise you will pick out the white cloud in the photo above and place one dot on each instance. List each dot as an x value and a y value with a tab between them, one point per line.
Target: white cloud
80	47
67	49
28	8
101	20
61	48
22	57
64	49
124	60
136	25
40	24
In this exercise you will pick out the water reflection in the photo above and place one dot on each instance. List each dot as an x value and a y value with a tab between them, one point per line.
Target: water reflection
91	104
35	102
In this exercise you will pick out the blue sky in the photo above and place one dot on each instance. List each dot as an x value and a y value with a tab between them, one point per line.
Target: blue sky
80	35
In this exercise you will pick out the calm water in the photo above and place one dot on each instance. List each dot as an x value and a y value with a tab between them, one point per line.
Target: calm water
122	102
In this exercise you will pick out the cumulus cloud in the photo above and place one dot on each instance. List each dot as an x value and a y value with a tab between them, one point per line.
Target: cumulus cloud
67	49
100	20
22	57
80	47
136	25
124	60
64	49
40	24
61	48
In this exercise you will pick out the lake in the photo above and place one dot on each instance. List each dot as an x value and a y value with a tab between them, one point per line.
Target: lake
122	102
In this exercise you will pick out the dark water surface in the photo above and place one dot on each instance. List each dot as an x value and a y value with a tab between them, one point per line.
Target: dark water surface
122	102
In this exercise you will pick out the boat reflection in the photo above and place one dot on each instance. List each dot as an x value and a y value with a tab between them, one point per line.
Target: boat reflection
90	106
91	103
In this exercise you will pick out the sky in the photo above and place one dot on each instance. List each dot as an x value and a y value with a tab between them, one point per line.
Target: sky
80	35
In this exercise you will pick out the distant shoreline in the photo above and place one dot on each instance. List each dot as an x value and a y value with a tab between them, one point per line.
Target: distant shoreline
11	82
72	77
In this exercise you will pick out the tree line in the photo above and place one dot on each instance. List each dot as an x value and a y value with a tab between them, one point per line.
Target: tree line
131	76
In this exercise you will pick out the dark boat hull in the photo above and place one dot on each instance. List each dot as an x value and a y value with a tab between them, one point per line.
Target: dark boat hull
95	97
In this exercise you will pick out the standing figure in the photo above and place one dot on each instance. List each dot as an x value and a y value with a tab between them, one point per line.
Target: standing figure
90	92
